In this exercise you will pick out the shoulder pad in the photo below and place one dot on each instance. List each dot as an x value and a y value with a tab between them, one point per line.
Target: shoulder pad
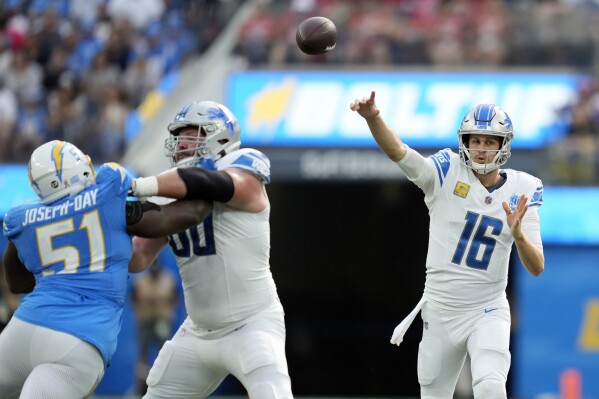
113	172
537	197
530	185
248	159
116	168
12	224
5	229
442	161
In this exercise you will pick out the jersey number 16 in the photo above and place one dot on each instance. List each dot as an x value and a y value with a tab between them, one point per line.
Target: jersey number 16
476	240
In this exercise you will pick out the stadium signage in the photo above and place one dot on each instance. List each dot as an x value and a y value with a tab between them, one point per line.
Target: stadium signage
311	109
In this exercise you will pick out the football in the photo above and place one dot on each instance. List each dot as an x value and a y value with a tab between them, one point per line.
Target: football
316	35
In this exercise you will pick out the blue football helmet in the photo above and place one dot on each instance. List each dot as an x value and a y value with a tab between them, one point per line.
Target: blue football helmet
486	119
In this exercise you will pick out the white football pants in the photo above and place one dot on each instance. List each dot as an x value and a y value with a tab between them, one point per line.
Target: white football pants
42	363
449	335
193	366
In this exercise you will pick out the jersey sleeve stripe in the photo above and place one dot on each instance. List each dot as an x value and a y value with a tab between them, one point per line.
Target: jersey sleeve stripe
439	172
441	160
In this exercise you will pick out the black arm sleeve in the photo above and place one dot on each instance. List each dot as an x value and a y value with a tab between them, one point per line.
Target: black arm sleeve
207	184
134	210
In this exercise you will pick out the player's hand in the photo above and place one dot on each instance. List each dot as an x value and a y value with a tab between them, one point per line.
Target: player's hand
514	218
366	107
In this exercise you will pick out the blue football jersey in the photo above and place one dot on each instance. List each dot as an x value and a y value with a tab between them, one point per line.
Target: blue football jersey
78	250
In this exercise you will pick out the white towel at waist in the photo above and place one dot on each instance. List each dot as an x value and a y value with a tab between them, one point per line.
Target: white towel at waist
401	329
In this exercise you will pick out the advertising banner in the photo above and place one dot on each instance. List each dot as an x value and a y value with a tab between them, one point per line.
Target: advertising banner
301	108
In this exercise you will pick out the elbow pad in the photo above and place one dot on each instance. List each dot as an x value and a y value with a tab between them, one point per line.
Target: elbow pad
207	184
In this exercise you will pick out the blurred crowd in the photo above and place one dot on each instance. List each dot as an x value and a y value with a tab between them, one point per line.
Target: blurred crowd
453	34
78	69
431	32
574	159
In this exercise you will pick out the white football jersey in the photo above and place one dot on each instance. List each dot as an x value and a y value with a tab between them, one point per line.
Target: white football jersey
469	239
224	262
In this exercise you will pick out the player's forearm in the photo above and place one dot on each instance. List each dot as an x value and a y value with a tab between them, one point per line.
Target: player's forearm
161	221
183	214
386	138
531	257
187	183
167	184
18	278
139	262
144	252
171	185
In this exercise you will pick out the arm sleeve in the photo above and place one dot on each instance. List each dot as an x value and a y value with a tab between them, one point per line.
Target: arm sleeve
207	184
134	210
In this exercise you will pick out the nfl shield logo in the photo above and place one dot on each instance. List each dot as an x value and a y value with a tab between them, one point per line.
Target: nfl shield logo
488	200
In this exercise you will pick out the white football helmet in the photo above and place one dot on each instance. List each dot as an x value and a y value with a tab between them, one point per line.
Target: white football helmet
58	169
491	120
221	129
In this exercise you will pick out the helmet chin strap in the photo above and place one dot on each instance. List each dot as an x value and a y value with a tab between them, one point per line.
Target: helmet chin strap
205	163
186	162
483	168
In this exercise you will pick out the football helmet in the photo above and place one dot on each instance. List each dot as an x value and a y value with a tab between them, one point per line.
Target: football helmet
58	169
222	134
491	120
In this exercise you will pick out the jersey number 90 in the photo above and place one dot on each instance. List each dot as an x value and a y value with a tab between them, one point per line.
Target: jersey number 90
198	240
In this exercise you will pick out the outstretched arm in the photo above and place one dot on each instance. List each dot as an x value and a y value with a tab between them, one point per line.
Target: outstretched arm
236	188
389	142
163	220
186	183
19	279
532	257
155	222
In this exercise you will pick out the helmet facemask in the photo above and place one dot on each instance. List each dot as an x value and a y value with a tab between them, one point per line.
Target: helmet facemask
185	150
486	119
218	134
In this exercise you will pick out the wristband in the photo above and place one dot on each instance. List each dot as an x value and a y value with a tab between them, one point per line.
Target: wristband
144	187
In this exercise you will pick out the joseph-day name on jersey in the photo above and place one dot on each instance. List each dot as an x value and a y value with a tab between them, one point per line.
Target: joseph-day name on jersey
55	240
